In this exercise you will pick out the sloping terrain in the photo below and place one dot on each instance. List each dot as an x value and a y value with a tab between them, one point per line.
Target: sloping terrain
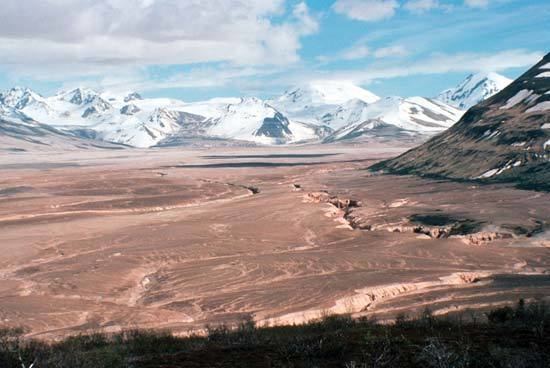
255	120
319	111
408	117
474	89
329	103
178	239
90	115
20	133
504	139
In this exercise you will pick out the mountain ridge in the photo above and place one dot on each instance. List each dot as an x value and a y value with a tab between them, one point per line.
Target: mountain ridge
307	113
505	138
474	89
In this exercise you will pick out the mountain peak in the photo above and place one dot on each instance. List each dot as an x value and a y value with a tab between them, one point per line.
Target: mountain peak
329	92
505	139
19	97
79	95
251	101
487	77
474	89
132	96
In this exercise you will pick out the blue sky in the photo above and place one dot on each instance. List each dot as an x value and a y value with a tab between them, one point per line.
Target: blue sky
200	49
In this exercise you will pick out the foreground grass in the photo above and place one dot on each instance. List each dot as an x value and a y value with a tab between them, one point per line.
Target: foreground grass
508	337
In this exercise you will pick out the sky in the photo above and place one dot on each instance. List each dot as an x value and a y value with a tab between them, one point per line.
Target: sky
199	49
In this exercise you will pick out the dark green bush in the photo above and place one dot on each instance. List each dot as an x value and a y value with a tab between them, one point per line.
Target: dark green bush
511	337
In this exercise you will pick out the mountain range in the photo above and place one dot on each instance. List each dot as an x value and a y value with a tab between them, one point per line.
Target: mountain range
505	138
319	111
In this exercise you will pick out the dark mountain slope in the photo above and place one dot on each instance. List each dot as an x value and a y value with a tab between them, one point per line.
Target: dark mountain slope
503	139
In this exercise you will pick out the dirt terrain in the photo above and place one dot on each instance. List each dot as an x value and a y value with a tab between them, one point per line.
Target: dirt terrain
180	239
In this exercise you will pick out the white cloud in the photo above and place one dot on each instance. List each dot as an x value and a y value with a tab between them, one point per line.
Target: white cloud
306	23
258	80
99	33
360	50
477	3
446	63
366	10
421	6
391	51
355	53
435	64
198	77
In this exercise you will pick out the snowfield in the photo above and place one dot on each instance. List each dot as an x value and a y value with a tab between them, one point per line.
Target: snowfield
543	106
307	113
516	99
417	114
474	89
255	120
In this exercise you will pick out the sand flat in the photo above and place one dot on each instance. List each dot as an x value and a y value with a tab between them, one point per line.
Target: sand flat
179	239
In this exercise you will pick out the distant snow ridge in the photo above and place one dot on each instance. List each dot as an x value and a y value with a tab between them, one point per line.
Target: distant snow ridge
78	96
410	116
129	109
316	102
308	113
132	96
474	89
255	120
11	114
20	98
143	131
350	112
326	93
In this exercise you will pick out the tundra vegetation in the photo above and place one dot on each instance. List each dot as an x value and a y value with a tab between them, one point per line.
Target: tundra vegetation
505	337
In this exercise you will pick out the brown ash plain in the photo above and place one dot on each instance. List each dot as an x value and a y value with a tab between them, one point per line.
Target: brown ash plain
183	238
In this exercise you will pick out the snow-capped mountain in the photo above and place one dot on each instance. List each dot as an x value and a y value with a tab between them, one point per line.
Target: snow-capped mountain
504	139
325	93
370	130
8	112
78	96
132	120
65	108
143	129
19	132
89	114
414	115
474	89
305	114
315	102
132	96
350	112
255	120
213	108
22	98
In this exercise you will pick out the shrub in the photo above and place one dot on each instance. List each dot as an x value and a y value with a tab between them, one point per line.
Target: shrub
512	337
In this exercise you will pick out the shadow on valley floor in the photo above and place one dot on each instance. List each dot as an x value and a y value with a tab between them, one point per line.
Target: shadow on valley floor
259	164
506	337
37	166
290	155
6	192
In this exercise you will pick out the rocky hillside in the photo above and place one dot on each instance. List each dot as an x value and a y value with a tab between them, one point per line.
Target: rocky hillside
503	139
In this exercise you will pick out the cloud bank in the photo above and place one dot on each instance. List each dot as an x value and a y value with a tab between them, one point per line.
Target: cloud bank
103	32
366	10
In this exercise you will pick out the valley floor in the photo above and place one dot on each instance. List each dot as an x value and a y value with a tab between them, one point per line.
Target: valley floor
176	239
